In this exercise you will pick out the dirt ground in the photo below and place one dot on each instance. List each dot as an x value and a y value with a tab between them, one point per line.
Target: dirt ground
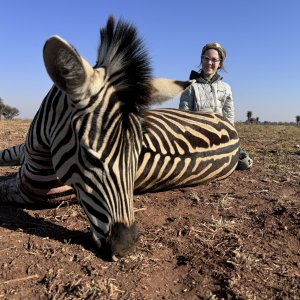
234	239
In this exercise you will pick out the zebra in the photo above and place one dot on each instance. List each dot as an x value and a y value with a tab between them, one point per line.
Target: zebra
169	157
94	140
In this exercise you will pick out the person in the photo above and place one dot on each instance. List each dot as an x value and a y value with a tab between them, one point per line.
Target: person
209	93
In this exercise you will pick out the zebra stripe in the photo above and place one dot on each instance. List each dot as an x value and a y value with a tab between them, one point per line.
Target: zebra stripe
182	148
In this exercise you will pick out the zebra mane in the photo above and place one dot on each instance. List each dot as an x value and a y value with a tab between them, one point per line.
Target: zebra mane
122	53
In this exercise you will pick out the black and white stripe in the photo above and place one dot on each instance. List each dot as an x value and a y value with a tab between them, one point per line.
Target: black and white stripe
182	148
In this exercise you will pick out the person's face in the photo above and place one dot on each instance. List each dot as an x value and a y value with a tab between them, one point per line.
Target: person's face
211	62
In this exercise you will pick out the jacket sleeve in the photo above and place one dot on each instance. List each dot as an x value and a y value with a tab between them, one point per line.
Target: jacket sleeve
228	108
187	99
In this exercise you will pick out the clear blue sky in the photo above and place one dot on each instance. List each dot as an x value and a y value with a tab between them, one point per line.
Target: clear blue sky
262	39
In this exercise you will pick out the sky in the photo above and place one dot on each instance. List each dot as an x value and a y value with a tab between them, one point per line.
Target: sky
261	38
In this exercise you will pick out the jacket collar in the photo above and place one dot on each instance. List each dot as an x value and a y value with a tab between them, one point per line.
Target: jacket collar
199	77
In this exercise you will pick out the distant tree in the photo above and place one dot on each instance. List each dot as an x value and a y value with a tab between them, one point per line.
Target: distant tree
298	120
257	120
9	112
2	105
249	116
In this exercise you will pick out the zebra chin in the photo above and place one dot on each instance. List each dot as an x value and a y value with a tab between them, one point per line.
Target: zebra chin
119	243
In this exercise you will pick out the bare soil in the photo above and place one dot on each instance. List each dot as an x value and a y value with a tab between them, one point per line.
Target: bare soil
234	239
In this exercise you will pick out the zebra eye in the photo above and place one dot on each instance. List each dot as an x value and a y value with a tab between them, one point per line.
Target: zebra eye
94	97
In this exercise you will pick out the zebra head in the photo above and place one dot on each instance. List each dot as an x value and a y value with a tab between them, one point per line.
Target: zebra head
99	140
88	134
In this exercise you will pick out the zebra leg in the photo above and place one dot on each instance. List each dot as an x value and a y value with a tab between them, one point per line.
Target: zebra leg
12	156
9	191
16	189
10	186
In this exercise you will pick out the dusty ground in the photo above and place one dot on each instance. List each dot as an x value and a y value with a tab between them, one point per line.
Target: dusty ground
234	239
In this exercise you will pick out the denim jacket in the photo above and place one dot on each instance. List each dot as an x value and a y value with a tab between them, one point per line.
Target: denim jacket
208	96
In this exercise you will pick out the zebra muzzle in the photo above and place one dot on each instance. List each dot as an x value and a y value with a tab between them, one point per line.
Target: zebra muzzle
120	242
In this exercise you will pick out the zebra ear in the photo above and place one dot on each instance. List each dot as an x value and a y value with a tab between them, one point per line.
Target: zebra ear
164	89
68	70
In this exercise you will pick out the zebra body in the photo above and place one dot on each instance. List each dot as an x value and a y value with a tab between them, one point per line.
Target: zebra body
183	148
93	139
179	148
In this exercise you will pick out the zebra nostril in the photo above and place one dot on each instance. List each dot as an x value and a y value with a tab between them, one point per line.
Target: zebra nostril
119	243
